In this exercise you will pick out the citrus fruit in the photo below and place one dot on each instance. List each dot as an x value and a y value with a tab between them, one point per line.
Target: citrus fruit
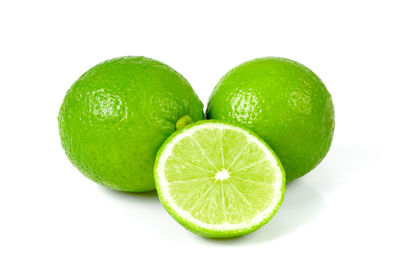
282	101
219	180
116	116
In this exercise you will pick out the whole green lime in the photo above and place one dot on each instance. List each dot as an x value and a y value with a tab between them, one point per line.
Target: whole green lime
116	116
285	103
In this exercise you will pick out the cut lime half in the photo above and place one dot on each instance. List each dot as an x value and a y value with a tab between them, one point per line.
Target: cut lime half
219	180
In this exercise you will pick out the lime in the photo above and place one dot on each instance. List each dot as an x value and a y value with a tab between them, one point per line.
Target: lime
219	180
282	101
116	116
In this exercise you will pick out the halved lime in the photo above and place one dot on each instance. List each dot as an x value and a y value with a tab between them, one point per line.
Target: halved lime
219	180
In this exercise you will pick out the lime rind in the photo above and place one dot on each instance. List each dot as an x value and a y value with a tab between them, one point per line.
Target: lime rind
115	117
259	92
185	218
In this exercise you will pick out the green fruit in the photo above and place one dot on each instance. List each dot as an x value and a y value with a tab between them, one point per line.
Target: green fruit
116	116
219	180
285	103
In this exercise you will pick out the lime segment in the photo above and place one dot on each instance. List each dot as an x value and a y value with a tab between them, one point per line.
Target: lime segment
219	180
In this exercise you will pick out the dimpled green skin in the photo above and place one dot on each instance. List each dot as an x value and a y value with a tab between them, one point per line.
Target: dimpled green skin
285	103
116	116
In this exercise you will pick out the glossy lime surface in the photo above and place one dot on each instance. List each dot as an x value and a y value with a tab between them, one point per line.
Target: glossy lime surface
116	115
285	103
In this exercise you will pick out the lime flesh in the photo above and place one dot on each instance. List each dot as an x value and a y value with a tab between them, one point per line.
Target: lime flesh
219	180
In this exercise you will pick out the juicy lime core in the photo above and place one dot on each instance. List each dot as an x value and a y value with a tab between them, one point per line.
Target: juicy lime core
116	116
285	103
219	180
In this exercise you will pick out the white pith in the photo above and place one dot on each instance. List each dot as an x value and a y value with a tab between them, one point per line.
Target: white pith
222	175
185	215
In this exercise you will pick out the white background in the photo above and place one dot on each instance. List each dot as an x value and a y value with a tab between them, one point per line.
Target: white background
341	221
